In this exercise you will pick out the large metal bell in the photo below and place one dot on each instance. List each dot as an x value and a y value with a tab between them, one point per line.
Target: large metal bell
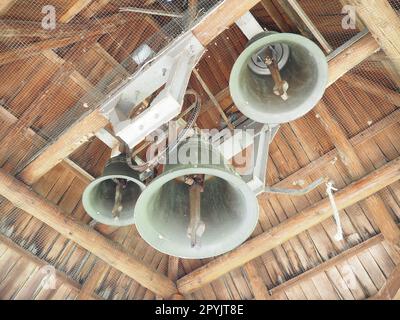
227	208
111	199
302	65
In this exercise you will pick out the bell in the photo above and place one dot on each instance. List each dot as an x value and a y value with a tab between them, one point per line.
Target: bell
278	78
111	199
199	207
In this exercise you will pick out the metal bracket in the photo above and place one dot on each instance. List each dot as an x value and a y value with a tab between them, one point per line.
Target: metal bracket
173	68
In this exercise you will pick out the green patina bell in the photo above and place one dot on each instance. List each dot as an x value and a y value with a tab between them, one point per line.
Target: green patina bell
227	208
111	199
302	65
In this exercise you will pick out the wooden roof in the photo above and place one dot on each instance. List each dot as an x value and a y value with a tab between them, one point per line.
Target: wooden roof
352	137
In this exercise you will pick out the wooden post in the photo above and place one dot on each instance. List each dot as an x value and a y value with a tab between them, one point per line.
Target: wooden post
275	15
304	220
384	24
116	256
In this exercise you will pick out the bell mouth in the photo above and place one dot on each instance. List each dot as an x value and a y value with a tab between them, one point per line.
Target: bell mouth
99	199
229	210
306	71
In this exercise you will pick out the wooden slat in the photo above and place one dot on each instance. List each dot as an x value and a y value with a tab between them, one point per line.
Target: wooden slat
327	264
222	17
384	24
40	263
276	236
77	7
276	16
106	25
96	274
391	289
116	256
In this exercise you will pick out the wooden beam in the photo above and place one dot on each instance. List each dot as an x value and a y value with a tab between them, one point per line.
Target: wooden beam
356	170
111	253
94	8
384	24
106	25
276	16
5	5
293	226
74	137
40	263
310	26
74	75
345	255
391	288
74	10
350	56
219	19
329	157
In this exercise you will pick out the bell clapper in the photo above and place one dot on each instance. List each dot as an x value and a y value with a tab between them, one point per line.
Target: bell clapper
281	86
120	184
196	226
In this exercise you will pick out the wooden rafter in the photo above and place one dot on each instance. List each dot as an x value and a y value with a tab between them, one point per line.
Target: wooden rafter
96	29
74	10
116	256
384	24
306	219
275	15
356	170
217	21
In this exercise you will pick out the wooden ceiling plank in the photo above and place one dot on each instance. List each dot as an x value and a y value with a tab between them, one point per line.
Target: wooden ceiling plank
306	219
260	291
391	289
384	24
103	26
90	285
40	263
345	255
74	10
116	256
373	88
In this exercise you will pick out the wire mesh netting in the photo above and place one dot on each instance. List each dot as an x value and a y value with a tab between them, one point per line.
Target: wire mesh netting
43	92
70	69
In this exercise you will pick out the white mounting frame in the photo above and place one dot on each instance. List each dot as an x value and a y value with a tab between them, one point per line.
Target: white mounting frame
172	69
